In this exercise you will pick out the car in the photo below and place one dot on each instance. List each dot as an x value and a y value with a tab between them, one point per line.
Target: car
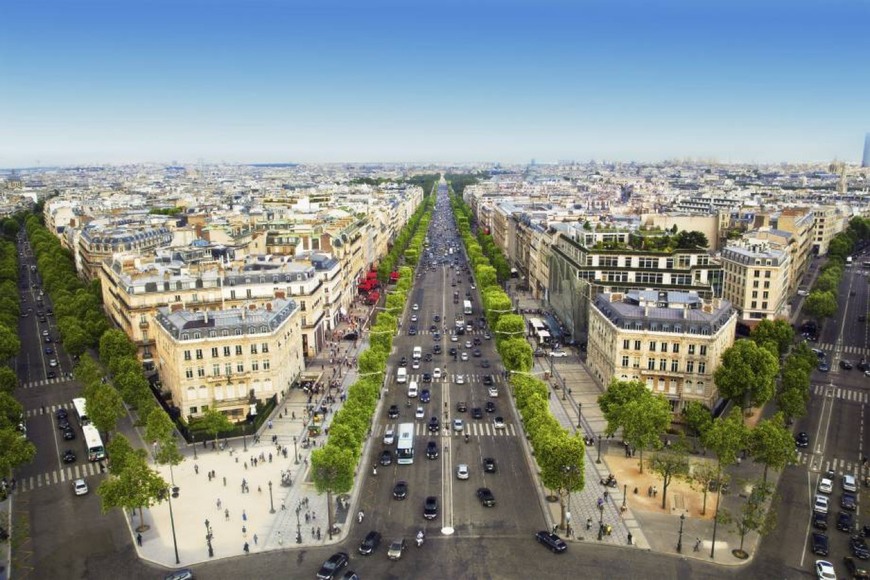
432	450
489	465
386	457
403	362
498	423
825	570
820	521
458	425
489	407
846	365
436	318
467	344
802	439
412	331
182	574
462	471
484	364
487	380
420	413
413	318
44	333
863	365
61	414
427	378
824	367
63	424
460	379
434	425
819	353
484	494
487	336
558	353
49	350
69	456
370	543
430	507
849	483
52	362
820	504
464	356
69	434
854	570
436	374
476	353
389	436
492	391
461	406
415	307
428	358
552	542
819	544
848	501
454	338
396	549
412	390
415	364
437	349
858	547
400	490
47	339
331	567
393	412
826	485
452	351
844	521
476	341
80	487
476	413
425	396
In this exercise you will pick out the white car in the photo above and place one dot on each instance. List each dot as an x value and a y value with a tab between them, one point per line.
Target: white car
413	318
80	486
420	413
462	471
464	356
826	485
493	391
820	505
558	353
389	436
849	483
415	364
412	390
825	570
454	338
467	344
460	379
498	423
458	425
436	374
415	308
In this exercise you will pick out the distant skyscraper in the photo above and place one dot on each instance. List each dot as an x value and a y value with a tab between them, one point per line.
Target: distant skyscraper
866	161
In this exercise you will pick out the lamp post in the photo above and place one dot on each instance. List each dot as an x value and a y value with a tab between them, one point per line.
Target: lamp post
680	539
598	460
244	434
295	452
193	436
624	493
579	414
298	525
271	501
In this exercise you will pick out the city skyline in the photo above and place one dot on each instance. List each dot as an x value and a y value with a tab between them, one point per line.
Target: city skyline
507	81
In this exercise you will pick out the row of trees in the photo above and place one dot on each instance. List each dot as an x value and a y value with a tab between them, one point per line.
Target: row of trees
822	301
333	465
560	455
400	245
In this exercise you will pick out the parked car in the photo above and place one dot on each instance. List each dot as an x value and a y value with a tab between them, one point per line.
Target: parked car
844	521
553	542
802	439
819	544
331	567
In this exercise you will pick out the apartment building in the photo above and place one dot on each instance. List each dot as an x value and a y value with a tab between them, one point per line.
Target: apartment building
757	279
826	225
671	341
98	243
229	359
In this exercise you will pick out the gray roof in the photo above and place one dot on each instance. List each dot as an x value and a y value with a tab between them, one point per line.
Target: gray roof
182	324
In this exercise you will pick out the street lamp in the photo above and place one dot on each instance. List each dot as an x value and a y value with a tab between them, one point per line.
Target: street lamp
600	520
271	501
598	460
244	434
298	525
295	452
680	539
172	524
579	414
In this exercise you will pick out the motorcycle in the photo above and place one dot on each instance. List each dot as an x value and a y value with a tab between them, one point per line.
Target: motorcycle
609	482
421	537
359	517
467	438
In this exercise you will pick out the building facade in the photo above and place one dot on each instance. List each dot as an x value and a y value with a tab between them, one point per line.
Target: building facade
757	279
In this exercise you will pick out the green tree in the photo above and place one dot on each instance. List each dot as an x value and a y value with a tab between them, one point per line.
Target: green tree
793	403
510	325
11	411
779	332
821	304
105	408
561	458
372	361
516	354
726	437
214	422
747	374
756	514
8	380
15	451
669	463
644	421
332	470
691	240
135	487
615	397
772	444
114	344
702	475
10	345
346	437
123	453
697	417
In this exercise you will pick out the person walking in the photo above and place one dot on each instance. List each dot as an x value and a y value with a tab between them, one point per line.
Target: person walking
139	540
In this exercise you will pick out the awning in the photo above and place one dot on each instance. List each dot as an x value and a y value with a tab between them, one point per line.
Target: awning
342	311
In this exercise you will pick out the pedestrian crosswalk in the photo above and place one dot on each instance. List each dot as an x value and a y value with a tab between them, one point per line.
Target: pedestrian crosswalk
858	351
851	395
43	382
57	476
497	379
475	428
838	466
47	410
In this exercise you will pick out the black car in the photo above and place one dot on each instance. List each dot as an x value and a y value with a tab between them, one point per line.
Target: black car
49	350
400	490
854	570
477	413
434	425
553	542
427	378
485	496
430	508
386	457
820	544
63	424
61	414
403	362
370	543
489	465
859	548
846	365
475	352
461	406
393	413
476	341
432	450
51	374
427	357
436	318
351	336
487	380
412	331
433	328
69	435
848	501
802	439
844	521
484	364
437	349
452	351
69	456
820	521
490	407
331	567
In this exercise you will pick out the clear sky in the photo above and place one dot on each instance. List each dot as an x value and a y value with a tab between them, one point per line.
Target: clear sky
414	80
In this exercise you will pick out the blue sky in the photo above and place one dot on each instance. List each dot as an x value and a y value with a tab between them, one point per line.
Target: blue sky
448	81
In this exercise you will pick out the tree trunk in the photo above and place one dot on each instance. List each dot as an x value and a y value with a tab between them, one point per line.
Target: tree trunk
329	511
704	503
666	481
764	477
641	459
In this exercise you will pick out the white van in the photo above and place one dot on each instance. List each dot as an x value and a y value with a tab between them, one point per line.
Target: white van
412	389
418	353
402	375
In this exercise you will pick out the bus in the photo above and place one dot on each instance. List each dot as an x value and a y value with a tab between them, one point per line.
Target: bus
405	445
539	331
93	443
79	405
466	307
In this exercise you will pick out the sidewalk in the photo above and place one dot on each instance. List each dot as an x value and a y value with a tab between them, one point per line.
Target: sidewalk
245	502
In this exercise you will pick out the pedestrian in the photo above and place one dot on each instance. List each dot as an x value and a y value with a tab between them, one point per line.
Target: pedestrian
697	545
283	505
629	538
313	515
307	517
139	540
244	530
318	533
555	527
255	539
244	516
218	503
196	468
588	524
225	481
227	515
246	465
246	548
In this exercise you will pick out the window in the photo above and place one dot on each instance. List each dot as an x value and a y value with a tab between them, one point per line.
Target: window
690	366
651	364
228	369
255	365
755	293
652	346
199	354
264	347
764	305
216	370
253	349
767	274
663	364
703	350
702	368
675	366
664	347
625	361
214	352
266	365
238	350
636	362
756	273
767	284
187	355
691	349
754	304
200	371
188	373
626	344
755	284
240	367
226	351
248	293
675	347
636	345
